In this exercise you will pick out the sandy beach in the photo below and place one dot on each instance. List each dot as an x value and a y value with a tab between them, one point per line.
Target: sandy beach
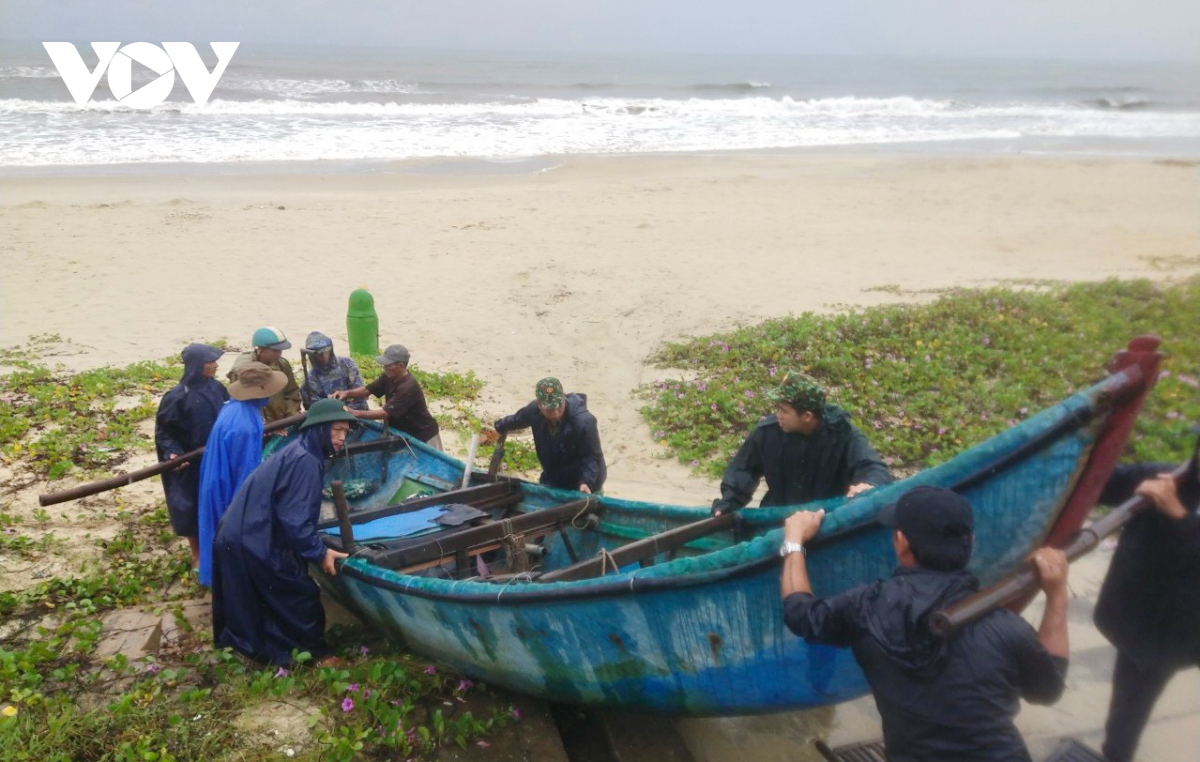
579	271
582	271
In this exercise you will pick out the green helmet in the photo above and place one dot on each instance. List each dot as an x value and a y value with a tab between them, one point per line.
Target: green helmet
270	338
327	410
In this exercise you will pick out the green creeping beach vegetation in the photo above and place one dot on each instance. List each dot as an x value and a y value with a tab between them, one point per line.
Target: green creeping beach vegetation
926	381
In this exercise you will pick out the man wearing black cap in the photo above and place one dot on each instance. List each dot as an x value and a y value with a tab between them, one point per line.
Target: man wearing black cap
950	699
404	404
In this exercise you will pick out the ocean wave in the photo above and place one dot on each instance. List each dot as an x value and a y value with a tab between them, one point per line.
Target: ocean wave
302	88
537	107
1126	104
731	87
28	72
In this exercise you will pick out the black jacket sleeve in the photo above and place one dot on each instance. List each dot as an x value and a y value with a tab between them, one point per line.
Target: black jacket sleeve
590	454
864	463
829	621
742	475
522	419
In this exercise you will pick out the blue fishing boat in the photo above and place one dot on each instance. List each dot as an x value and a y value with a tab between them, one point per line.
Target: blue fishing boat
599	600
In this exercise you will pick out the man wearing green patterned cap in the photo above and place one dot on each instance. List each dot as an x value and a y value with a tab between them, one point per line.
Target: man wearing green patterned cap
808	450
565	435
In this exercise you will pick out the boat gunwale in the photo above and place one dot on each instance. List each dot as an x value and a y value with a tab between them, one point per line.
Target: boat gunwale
1075	412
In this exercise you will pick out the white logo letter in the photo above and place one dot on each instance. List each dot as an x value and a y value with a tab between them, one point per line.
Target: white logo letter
80	82
196	77
121	70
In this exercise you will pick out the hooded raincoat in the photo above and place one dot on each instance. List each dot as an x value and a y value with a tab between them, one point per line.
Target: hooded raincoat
264	602
185	417
339	374
800	468
233	451
570	451
941	700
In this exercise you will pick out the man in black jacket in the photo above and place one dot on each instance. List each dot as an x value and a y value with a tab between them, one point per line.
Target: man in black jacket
1149	606
565	435
807	451
941	700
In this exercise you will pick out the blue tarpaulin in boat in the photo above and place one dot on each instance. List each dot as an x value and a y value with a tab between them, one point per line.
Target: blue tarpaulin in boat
412	524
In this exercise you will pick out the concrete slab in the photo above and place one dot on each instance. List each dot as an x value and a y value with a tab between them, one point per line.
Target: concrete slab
637	737
130	632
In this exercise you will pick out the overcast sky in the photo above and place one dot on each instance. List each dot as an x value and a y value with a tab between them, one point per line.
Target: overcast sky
1090	29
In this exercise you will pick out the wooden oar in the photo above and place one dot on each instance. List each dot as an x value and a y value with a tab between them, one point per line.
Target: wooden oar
113	482
1025	582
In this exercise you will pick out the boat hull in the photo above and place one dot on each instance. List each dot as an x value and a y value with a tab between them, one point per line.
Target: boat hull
704	634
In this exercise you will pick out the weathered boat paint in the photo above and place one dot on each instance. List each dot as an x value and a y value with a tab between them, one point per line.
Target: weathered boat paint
703	635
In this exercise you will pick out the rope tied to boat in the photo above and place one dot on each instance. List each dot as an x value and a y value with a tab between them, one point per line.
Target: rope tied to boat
606	559
585	508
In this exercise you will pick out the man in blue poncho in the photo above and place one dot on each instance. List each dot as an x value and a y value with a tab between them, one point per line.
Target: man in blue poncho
185	417
233	451
265	606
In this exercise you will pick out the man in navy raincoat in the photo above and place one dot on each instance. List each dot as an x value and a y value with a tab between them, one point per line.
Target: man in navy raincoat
265	606
565	435
185	417
233	451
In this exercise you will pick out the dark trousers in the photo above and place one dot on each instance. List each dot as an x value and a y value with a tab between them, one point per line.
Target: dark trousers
1136	687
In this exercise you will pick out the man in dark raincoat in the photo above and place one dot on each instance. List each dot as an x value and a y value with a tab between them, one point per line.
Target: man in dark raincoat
1149	606
808	450
565	435
186	415
941	699
265	605
233	451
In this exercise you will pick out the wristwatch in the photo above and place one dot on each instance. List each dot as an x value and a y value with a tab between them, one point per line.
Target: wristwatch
788	548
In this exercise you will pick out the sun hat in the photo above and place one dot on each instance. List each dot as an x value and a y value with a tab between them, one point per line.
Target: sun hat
393	354
549	393
326	410
270	337
800	391
256	381
931	516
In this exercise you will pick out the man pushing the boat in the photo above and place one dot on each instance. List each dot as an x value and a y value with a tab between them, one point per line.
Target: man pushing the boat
808	450
265	605
941	699
565	435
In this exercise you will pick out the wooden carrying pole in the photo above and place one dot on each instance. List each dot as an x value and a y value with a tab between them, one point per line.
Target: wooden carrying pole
1024	582
113	482
343	516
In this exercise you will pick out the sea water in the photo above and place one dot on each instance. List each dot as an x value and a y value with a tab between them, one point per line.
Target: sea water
311	103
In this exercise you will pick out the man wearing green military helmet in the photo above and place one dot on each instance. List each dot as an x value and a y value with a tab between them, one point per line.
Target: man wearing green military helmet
269	343
808	450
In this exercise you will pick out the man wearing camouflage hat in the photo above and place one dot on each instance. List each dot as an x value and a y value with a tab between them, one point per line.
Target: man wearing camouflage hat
269	343
808	450
404	405
565	435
